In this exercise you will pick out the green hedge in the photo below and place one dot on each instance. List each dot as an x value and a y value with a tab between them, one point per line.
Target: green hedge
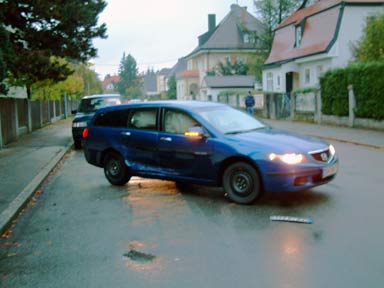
368	85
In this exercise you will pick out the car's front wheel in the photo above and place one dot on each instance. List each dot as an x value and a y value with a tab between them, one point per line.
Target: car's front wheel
115	169
241	183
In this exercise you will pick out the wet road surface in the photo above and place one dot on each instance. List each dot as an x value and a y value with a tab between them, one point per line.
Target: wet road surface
82	232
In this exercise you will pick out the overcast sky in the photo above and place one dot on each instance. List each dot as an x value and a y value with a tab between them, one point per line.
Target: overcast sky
155	32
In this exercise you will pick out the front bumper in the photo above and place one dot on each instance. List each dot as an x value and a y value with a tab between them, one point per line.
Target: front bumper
297	178
77	133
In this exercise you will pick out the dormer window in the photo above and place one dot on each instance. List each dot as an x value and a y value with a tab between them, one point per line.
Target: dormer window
298	34
249	37
246	38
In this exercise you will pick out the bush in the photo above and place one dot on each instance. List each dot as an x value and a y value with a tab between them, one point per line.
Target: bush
368	84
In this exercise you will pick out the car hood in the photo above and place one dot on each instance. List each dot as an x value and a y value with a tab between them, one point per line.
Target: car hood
83	117
279	141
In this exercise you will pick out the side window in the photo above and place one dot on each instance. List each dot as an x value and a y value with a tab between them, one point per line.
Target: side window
117	118
177	122
143	119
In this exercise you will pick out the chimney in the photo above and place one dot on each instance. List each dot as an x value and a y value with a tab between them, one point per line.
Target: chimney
211	22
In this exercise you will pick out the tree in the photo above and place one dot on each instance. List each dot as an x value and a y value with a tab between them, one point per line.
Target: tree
92	83
236	68
83	81
171	93
272	13
5	53
41	29
371	47
128	74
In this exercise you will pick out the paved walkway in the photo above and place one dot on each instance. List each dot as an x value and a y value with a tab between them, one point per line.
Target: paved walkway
370	138
26	163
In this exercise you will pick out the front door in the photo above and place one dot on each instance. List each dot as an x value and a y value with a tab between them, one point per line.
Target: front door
180	155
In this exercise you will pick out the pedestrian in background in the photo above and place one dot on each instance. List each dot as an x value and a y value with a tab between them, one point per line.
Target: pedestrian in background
250	103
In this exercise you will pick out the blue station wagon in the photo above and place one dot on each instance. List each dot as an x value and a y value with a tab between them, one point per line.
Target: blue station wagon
205	143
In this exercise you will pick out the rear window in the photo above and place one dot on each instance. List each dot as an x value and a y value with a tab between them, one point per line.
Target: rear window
143	119
90	105
116	118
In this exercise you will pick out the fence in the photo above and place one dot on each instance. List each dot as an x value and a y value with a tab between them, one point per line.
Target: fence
306	106
301	106
21	116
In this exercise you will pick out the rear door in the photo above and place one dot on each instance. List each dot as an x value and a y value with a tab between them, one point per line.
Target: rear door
140	139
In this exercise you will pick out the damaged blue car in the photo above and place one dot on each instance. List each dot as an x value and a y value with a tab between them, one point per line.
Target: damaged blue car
205	143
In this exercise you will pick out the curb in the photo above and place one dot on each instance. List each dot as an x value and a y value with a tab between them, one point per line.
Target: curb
329	138
21	200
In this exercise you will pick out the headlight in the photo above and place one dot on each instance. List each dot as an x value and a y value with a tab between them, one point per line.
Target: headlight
332	150
79	124
291	158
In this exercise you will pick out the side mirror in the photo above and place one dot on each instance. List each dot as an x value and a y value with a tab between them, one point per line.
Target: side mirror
195	132
74	111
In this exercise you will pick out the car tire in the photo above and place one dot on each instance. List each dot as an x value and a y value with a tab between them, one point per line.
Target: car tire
241	183
115	169
77	143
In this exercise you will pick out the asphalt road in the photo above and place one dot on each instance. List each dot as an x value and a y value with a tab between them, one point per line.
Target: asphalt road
81	232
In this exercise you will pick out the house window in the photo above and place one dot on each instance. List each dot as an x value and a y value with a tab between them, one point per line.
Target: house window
269	81
298	34
246	38
249	37
319	71
307	76
278	82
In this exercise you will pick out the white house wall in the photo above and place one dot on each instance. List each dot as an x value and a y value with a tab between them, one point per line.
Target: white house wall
210	60
299	67
351	30
339	55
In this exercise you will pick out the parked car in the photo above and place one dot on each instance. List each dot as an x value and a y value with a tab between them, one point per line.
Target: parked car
207	143
87	107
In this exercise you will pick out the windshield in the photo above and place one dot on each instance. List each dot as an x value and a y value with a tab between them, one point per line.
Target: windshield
92	104
228	120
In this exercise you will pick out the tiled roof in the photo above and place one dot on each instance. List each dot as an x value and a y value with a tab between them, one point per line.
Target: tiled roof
109	80
319	23
238	81
181	65
150	83
228	33
187	74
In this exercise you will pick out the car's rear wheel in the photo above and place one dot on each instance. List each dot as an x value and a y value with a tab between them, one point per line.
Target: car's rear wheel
115	169
241	183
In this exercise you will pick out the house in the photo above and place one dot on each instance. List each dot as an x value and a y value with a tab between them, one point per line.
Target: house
109	83
150	84
162	81
233	39
216	84
313	40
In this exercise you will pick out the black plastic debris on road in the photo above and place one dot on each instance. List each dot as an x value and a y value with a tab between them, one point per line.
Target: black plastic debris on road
138	256
291	219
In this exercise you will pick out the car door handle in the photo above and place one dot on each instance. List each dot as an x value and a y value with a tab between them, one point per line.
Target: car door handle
168	139
126	133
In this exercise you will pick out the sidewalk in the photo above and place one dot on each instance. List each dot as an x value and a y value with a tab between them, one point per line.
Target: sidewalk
26	163
364	137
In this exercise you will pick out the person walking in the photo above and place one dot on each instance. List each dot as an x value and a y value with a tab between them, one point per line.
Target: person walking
250	103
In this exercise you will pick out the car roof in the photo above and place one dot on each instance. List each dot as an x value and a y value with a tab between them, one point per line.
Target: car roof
186	104
100	96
